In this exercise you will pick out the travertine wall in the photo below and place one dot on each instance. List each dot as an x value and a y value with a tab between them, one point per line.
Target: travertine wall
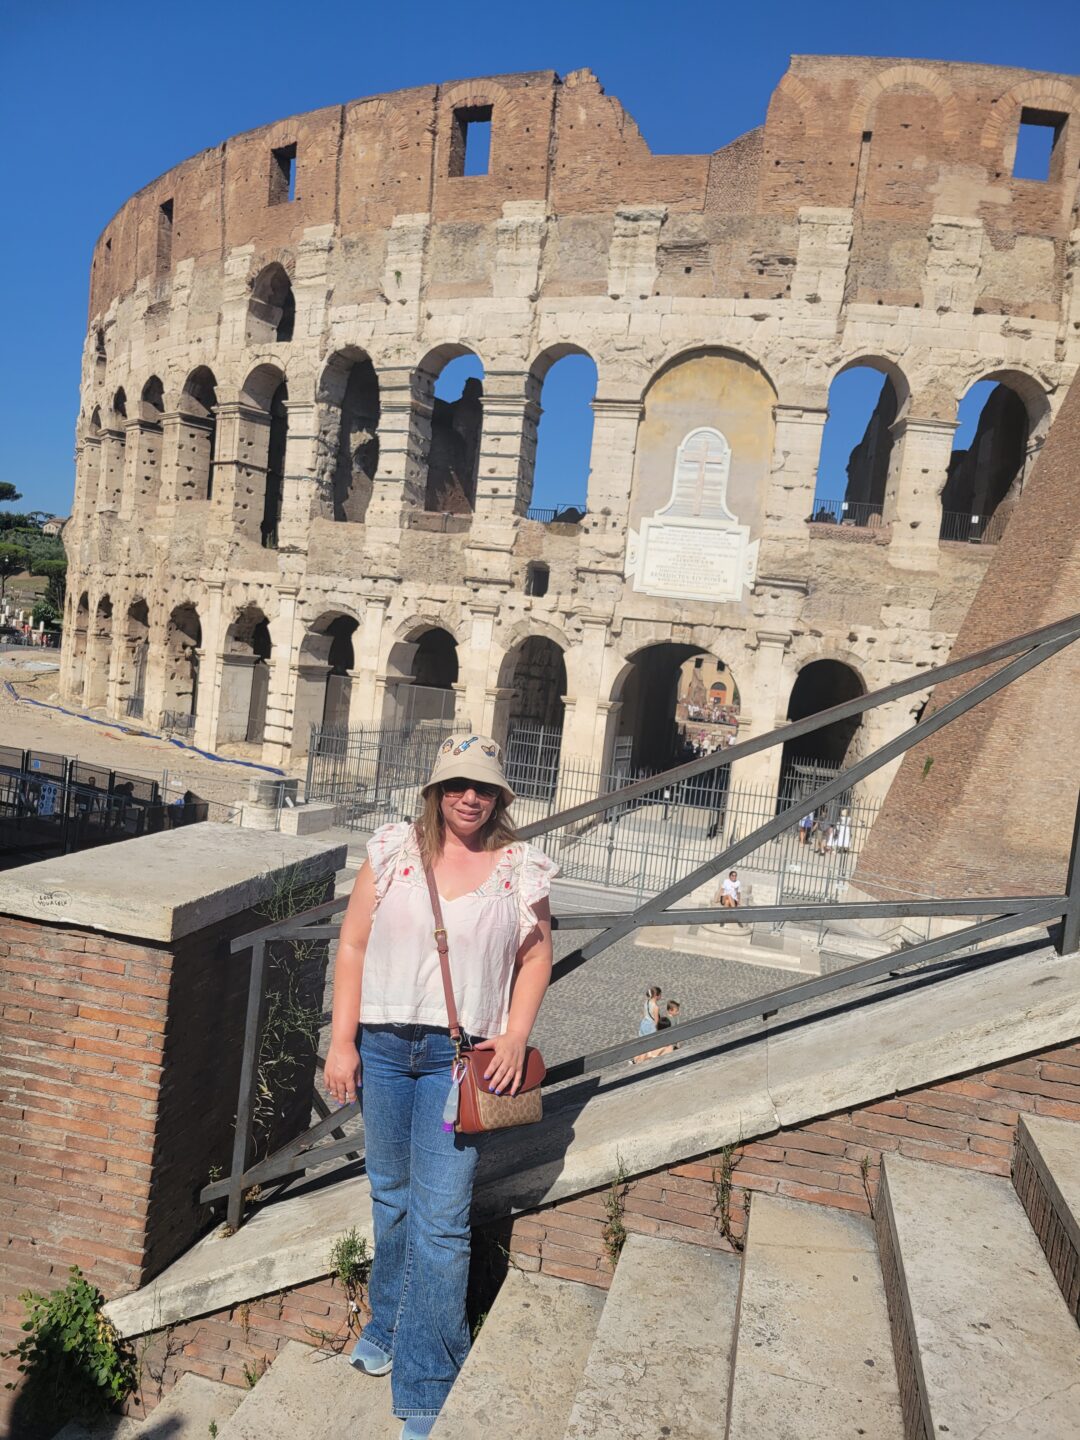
872	219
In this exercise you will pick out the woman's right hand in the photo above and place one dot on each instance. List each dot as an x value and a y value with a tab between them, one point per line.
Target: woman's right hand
341	1072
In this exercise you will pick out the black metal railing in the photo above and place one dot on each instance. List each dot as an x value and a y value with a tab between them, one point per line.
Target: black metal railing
860	513
133	707
50	804
556	515
972	529
996	915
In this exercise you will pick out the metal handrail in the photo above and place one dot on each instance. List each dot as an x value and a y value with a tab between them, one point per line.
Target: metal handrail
1005	914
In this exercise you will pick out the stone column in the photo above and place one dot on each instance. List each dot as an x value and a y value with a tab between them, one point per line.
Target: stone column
172	447
88	472
474	659
917	473
209	696
243	438
103	1164
301	467
365	707
789	499
507	445
286	638
764	705
111	480
398	487
587	711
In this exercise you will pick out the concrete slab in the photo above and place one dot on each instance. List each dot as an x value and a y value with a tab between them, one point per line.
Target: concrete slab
813	1354
1053	1147
888	1037
307	1394
525	1366
112	1427
997	1354
164	886
660	1361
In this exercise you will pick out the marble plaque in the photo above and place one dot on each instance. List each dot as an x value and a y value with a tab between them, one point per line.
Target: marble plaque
693	558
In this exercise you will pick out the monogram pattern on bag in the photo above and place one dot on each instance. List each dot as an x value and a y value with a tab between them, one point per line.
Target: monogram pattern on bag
499	1112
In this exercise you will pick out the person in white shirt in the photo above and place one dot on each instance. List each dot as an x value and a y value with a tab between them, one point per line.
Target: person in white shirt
731	891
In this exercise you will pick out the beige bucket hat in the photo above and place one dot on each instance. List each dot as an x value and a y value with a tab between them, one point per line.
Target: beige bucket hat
470	757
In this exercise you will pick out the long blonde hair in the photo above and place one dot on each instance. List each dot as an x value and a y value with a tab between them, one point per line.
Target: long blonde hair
431	828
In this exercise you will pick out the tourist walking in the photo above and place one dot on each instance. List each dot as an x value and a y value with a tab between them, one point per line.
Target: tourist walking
650	1014
388	979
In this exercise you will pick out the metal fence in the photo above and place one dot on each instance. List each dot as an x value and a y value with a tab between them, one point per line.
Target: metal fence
846	512
50	804
374	776
972	529
557	514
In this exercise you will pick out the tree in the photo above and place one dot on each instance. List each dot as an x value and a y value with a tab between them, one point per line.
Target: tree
54	568
8	493
13	561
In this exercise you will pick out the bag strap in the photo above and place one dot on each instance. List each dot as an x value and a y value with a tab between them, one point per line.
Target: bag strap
444	956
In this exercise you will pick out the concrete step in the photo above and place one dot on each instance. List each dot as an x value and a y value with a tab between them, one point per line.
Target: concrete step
185	1413
813	1356
309	1394
525	1366
984	1342
1046	1176
659	1363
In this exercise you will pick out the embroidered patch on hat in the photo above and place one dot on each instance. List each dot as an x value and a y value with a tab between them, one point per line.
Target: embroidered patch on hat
490	750
472	740
446	747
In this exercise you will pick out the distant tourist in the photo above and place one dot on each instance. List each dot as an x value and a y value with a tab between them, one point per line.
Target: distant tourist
650	1014
806	824
731	891
671	1009
842	833
662	1024
822	830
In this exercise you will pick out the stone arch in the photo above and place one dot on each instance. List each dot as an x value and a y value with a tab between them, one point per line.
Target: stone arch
907	76
80	635
260	475
327	665
529	713
197	445
445	435
183	654
422	675
99	649
348	397
1044	92
857	459
152	401
820	684
148	437
662	718
797	93
245	678
271	314
574	415
680	354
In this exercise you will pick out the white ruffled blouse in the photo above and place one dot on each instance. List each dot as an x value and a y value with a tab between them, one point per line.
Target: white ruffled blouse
485	929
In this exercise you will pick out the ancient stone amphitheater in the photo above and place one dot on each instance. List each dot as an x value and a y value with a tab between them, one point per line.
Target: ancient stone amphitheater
278	521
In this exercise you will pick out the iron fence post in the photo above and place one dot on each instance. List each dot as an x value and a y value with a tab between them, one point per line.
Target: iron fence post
245	1103
1069	938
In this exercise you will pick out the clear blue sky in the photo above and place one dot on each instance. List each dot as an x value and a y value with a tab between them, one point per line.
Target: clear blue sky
97	99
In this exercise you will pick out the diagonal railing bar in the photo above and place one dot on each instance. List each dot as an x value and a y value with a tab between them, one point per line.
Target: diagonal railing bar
303	1147
287	927
819	910
1067	630
245	1107
775	1000
926	727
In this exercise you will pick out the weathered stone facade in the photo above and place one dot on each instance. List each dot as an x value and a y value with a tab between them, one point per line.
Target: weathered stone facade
259	441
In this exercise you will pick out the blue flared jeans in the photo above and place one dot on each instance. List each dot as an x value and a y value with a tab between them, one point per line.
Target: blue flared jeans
421	1181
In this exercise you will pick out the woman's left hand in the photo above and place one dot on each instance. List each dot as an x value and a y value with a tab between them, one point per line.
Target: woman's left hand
507	1063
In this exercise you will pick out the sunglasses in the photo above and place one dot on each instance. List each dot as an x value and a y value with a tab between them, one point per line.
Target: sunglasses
459	787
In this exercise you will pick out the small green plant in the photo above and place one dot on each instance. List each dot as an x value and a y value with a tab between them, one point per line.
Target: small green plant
253	1373
864	1171
73	1363
614	1231
350	1266
722	1185
397	277
211	1430
478	1324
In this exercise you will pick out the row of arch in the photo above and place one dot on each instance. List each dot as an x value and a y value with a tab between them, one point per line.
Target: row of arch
656	726
1000	417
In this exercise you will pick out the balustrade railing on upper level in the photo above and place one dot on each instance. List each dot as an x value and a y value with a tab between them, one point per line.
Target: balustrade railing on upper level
846	512
972	529
556	515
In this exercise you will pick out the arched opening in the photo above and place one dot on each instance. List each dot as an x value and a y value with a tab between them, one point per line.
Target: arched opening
448	388
98	653
271	316
349	394
148	469
183	643
114	454
198	436
133	660
90	462
857	445
80	632
987	464
245	679
563	385
264	433
813	758
324	681
535	674
426	670
677	702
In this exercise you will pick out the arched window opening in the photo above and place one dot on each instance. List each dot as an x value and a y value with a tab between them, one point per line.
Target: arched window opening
671	708
272	308
813	758
134	657
148	468
99	345
80	640
275	467
152	401
198	436
424	694
119	404
183	643
100	646
245	679
324	685
535	674
352	396
452	453
856	448
563	438
986	468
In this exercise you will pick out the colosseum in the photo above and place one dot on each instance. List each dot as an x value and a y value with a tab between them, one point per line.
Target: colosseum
282	520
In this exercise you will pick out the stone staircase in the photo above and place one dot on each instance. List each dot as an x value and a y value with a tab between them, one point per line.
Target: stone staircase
953	1313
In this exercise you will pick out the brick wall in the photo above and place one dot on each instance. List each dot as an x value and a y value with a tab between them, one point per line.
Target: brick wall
968	1122
119	1067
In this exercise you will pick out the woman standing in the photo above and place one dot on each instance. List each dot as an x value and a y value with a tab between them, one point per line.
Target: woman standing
650	1012
387	980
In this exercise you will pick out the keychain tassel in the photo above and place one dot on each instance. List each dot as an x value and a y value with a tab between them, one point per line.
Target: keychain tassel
450	1109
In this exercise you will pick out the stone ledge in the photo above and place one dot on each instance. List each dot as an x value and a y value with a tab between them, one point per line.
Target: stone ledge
885	1039
162	887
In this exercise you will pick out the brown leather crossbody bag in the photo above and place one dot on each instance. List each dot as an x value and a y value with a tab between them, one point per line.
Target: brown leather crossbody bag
478	1109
